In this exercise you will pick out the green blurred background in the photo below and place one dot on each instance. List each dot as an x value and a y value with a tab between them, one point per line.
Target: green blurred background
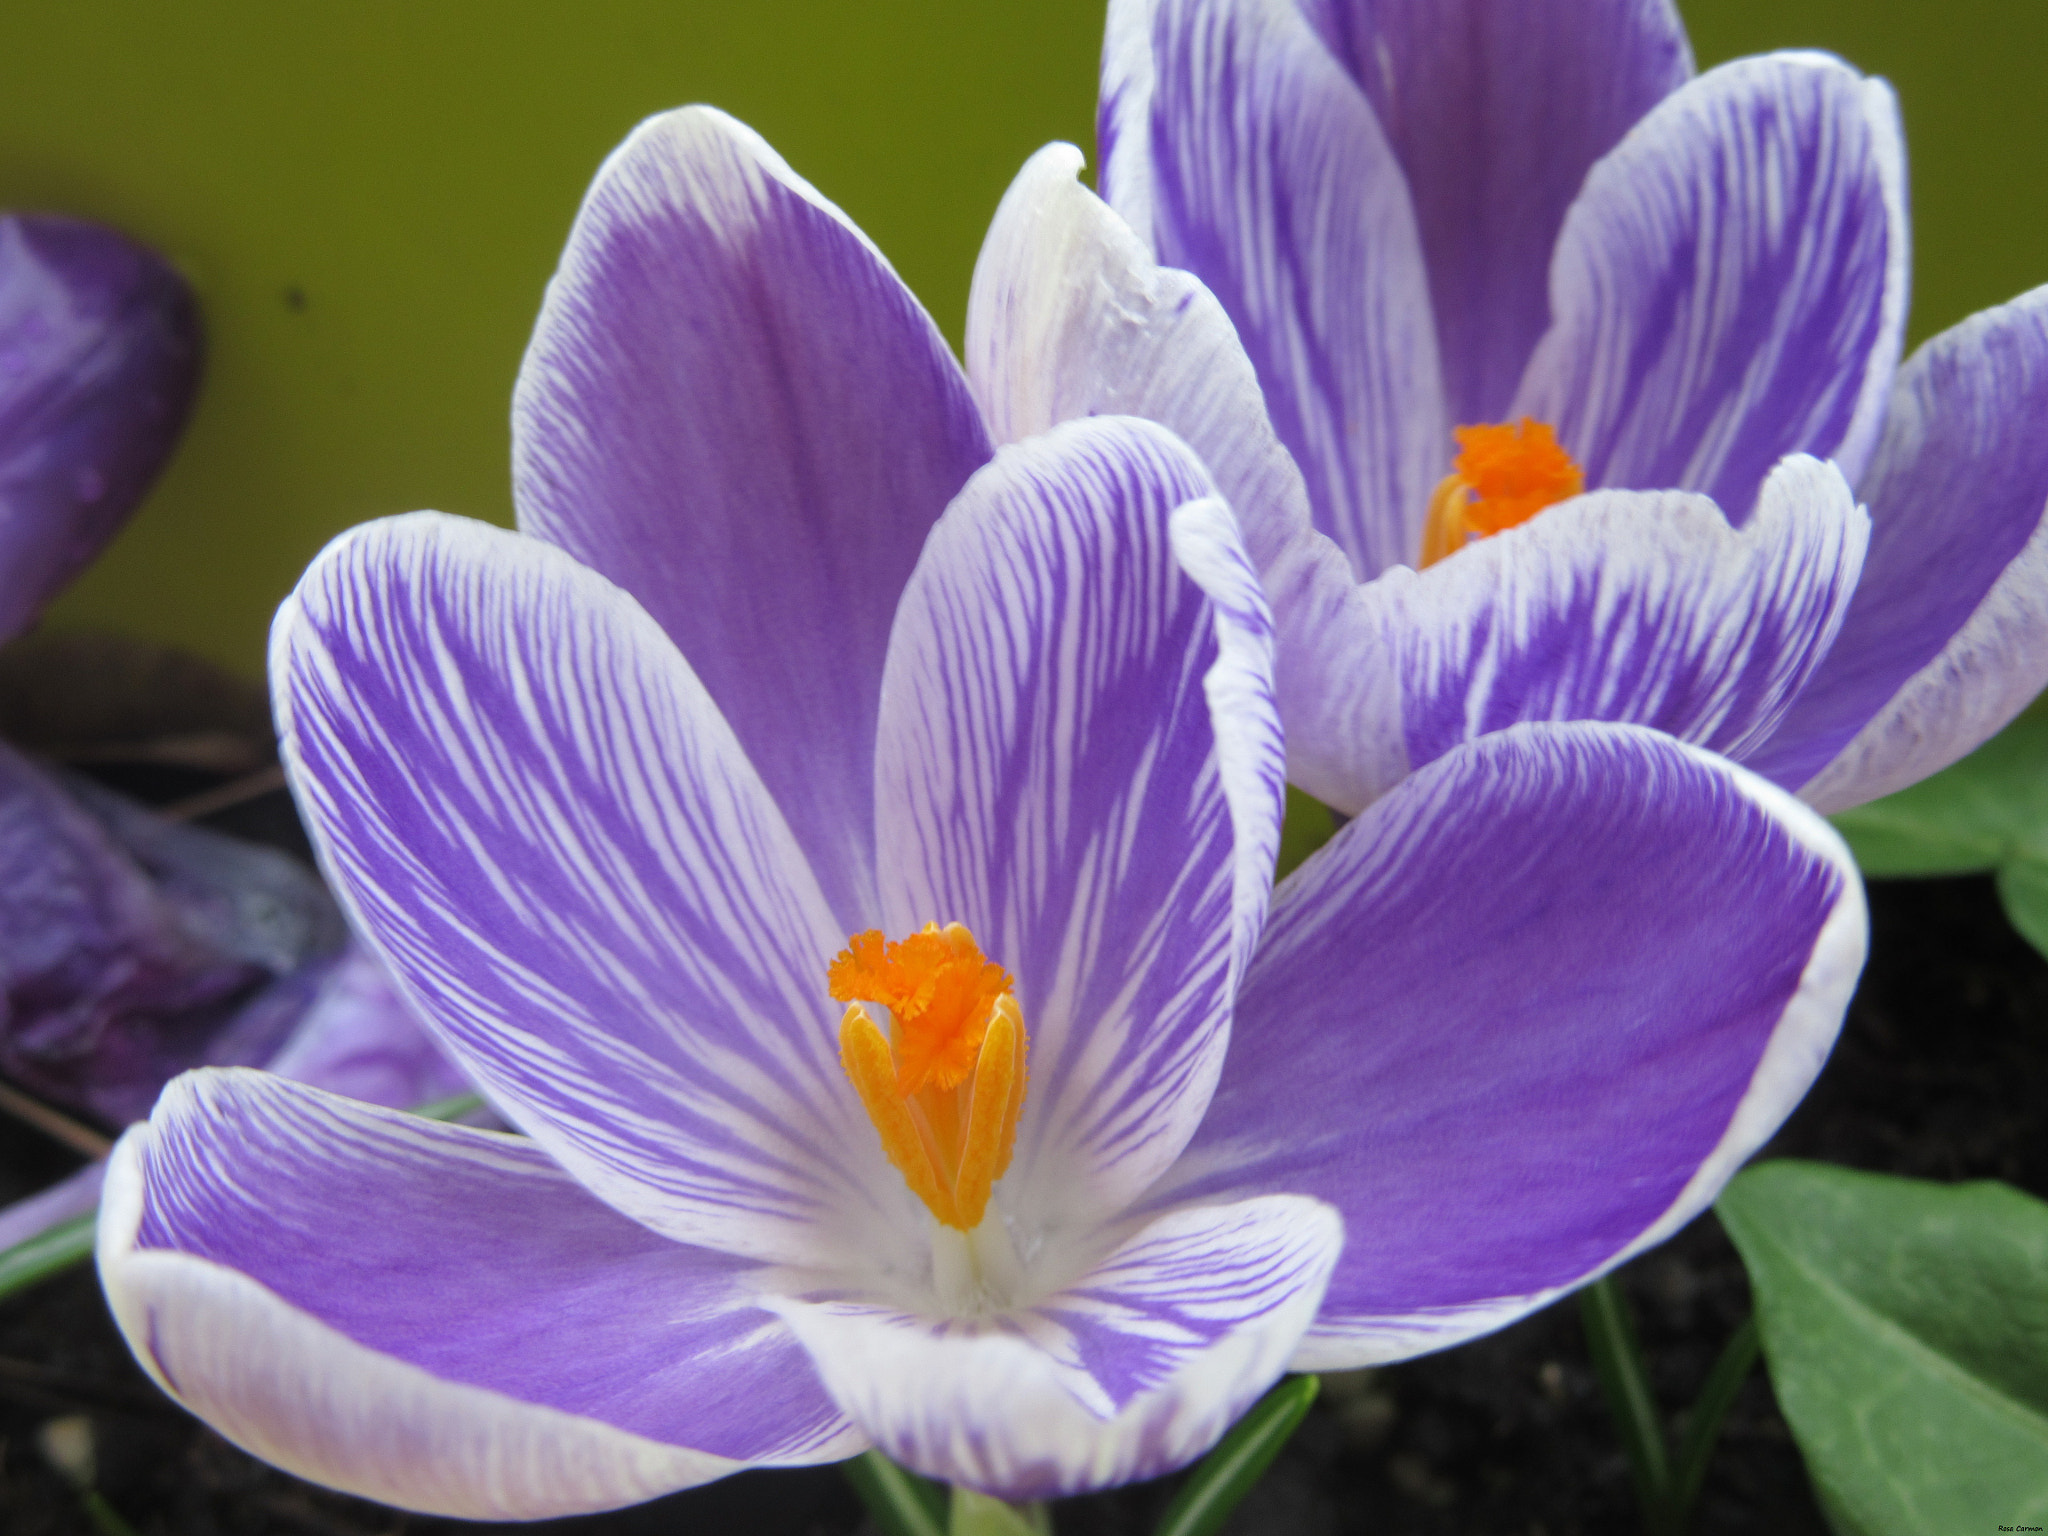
370	197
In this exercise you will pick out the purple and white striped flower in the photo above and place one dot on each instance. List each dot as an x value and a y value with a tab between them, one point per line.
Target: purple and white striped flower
787	660
1428	214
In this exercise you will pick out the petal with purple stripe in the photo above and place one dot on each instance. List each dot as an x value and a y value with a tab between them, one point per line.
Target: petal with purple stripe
1630	605
1523	1018
1730	287
538	816
436	1317
1080	761
1947	638
1071	317
1130	1371
1496	113
734	408
1257	164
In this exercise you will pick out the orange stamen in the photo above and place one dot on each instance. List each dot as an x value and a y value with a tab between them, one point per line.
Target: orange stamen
944	1089
1503	476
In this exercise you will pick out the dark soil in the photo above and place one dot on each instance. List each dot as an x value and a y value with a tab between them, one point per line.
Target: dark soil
1942	1072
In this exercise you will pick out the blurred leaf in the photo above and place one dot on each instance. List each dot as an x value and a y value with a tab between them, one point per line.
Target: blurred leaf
976	1514
1906	1326
900	1502
1989	811
1224	1476
45	1254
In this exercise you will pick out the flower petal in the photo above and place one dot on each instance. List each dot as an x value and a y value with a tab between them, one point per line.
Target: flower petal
1630	605
1071	317
542	823
734	408
435	1317
1496	113
102	347
1052	774
1523	1018
1947	638
1255	163
1134	1369
1731	285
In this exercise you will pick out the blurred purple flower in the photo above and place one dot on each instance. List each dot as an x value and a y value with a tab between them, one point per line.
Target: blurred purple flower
99	363
1419	214
786	653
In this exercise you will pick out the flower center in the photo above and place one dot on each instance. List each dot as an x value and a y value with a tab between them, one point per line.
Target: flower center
945	1085
1504	474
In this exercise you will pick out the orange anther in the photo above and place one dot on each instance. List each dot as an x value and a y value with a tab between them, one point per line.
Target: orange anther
945	1088
1504	475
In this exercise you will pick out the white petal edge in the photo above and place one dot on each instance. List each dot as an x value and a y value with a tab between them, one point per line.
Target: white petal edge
1070	316
1990	670
1251	753
1798	1049
310	1400
1008	1405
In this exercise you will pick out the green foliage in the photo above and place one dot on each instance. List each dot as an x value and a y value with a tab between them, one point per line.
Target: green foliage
899	1501
1227	1474
1906	1326
46	1254
1989	811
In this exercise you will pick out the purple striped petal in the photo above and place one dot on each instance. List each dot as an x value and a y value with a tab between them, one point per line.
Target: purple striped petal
433	1316
541	821
1070	317
1080	761
1947	638
1631	605
734	408
1591	970
1731	285
99	363
1254	162
1496	113
1133	1369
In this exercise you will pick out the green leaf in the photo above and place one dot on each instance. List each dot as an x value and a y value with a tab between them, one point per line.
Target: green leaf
976	1514
1988	809
1625	1383
46	1254
1906	1326
1227	1473
901	1502
452	1108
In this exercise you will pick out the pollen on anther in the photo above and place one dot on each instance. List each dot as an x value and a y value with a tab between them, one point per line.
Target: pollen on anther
945	1087
1504	474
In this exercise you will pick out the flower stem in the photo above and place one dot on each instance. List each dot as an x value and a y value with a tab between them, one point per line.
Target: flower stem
1723	1382
901	1502
1625	1382
976	1514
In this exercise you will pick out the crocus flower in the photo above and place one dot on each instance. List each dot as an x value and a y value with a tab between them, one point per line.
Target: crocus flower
1531	223
844	852
99	362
